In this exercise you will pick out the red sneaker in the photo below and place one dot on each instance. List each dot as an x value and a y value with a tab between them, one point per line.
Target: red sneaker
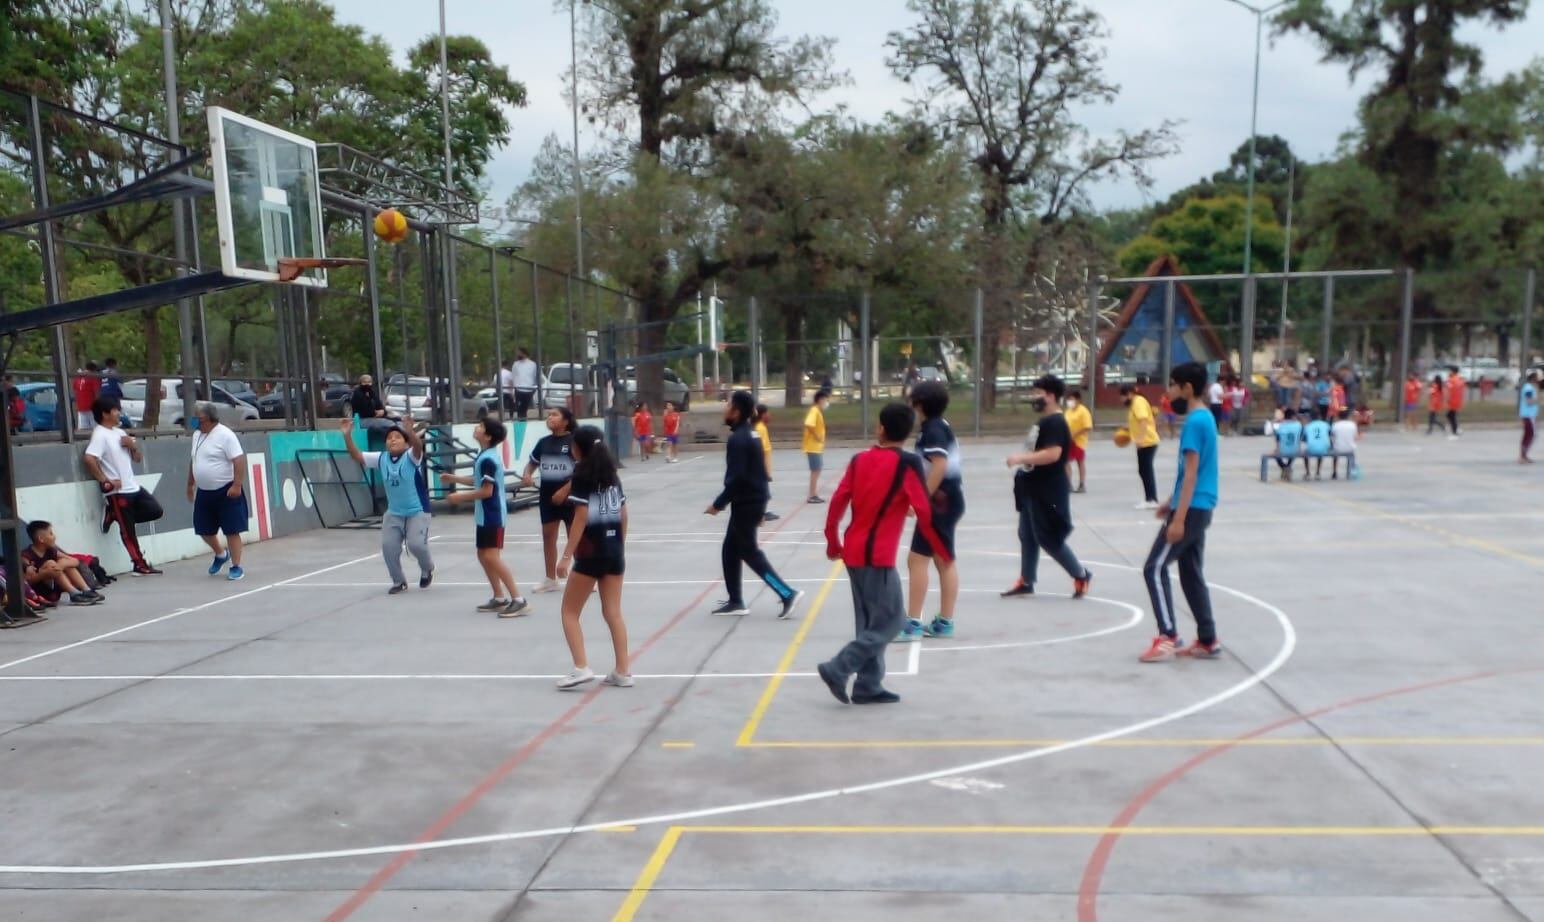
1080	586
1199	650
1161	651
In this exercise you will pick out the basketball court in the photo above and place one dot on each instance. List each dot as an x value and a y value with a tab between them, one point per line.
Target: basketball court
300	746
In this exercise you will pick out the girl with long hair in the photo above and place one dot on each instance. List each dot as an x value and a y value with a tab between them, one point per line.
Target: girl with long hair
594	557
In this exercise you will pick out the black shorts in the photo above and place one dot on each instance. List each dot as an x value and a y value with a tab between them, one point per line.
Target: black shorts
490	536
596	567
556	512
948	509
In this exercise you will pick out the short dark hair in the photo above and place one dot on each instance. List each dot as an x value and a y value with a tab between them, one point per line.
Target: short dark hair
1289	414
91	366
1191	373
822	394
1127	389
743	402
1346	413
36	528
1051	385
931	397
1075	392
761	410
110	363
895	421
496	431
102	406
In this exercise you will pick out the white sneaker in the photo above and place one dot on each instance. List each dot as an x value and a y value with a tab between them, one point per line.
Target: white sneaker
1452	438
549	585
1146	505
619	680
577	679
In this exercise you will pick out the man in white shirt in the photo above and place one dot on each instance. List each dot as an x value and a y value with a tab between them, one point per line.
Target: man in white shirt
1343	438
215	481
507	390
109	459
1214	394
527	378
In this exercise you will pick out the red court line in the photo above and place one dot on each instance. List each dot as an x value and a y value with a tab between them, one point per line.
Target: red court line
1093	872
470	799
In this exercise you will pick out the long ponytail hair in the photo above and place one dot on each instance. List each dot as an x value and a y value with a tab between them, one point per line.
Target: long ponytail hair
596	466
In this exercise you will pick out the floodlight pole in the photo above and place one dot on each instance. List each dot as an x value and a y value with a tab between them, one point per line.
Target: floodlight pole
452	298
1254	116
573	51
179	212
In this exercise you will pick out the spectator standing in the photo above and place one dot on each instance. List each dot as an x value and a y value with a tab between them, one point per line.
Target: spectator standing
1144	435
215	478
1216	399
814	443
87	387
1528	412
15	406
507	389
1412	400
527	379
1236	398
112	381
110	458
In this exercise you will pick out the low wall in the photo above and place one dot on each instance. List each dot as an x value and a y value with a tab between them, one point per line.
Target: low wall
52	484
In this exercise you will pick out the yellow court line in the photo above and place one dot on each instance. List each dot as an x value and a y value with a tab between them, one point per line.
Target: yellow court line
644	884
1155	743
748	732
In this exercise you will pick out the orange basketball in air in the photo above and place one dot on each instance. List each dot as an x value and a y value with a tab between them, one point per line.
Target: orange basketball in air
391	226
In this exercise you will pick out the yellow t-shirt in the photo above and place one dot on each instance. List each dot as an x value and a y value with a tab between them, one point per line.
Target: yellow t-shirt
766	443
1139	420
1081	422
814	431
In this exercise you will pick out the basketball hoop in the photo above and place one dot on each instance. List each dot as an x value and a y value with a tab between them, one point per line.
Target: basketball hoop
291	267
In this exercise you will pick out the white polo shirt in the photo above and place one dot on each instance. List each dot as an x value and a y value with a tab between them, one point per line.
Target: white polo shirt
214	457
106	446
527	375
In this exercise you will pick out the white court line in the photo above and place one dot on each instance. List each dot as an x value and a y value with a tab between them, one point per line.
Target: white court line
630	582
184	611
449	677
632	541
1133	621
1284	653
914	661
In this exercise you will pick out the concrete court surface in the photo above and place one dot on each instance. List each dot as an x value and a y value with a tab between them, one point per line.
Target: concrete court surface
271	750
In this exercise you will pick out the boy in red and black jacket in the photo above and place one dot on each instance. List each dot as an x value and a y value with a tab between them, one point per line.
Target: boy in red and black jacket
881	484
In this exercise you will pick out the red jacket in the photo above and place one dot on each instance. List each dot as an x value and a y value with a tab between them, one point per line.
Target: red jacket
879	484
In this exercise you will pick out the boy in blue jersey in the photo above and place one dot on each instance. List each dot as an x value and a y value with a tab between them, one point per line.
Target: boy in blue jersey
487	495
1528	412
1186	516
407	518
1289	442
1316	444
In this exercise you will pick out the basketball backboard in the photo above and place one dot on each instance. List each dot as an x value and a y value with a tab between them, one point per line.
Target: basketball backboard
268	199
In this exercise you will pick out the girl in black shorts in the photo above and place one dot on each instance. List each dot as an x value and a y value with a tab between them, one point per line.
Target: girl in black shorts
595	556
553	456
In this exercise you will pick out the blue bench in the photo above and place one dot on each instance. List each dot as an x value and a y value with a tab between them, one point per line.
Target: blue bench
1266	459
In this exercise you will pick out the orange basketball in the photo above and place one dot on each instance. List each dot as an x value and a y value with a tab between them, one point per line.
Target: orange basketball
391	226
1122	437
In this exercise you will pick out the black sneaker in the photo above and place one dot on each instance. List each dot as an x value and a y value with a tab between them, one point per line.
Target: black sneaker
815	500
146	570
770	517
838	686
1019	590
400	587
789	604
425	580
883	696
731	608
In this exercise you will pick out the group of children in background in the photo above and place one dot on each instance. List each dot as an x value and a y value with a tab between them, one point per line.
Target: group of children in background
1315	440
643	432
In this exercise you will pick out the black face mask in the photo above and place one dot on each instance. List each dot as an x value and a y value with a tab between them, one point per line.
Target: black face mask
1038	404
1180	404
1126	401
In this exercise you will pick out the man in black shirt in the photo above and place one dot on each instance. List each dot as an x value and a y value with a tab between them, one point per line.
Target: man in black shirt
745	495
365	402
1041	493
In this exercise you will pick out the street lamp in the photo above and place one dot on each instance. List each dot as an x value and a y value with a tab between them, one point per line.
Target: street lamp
1254	114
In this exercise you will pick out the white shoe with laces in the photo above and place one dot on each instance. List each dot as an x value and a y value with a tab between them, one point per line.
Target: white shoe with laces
620	680
549	585
577	679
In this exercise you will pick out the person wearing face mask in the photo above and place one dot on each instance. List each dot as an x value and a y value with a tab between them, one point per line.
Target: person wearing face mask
1144	435
1040	493
1081	422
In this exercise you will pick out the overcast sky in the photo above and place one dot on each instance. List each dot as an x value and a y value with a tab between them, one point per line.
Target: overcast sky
1189	60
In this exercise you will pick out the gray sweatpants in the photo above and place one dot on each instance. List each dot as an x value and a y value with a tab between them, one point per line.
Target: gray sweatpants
414	531
879	612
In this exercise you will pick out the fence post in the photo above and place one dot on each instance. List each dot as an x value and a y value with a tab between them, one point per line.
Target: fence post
541	365
1329	317
983	367
65	412
1166	350
1246	335
755	349
1406	319
498	332
863	343
1525	357
1093	344
373	294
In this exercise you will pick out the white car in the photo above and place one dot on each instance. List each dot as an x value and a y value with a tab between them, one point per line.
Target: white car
232	412
410	397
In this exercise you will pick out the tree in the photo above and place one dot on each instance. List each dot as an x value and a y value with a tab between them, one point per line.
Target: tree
1010	75
684	80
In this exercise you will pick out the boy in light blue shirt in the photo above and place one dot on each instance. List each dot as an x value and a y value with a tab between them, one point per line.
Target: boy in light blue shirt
1186	517
1528	411
1289	442
1316	442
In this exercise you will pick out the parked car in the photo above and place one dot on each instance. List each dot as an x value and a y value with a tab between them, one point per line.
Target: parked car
241	390
410	397
42	401
562	381
675	389
1472	369
232	412
474	406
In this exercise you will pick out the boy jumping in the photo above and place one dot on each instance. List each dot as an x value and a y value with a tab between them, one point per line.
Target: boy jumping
880	484
1186	516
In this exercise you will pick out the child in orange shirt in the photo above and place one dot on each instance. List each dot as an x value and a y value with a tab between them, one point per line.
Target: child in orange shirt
643	431
1412	400
672	432
1456	386
1434	400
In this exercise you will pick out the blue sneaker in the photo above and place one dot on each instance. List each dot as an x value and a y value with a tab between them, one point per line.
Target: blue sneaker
219	563
236	573
911	633
941	627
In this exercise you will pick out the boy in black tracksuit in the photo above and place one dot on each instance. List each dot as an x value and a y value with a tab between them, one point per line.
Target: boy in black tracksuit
745	495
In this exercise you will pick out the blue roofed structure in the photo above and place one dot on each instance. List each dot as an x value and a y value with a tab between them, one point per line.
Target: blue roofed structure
1135	348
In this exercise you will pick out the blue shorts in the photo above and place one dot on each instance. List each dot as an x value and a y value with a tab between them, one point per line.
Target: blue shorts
817	461
216	513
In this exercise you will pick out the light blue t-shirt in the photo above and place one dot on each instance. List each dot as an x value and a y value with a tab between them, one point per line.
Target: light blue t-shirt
1289	436
489	468
1199	436
1317	437
1529	406
407	493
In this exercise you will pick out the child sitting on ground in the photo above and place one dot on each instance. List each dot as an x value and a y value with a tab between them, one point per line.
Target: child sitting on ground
1363	417
52	572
